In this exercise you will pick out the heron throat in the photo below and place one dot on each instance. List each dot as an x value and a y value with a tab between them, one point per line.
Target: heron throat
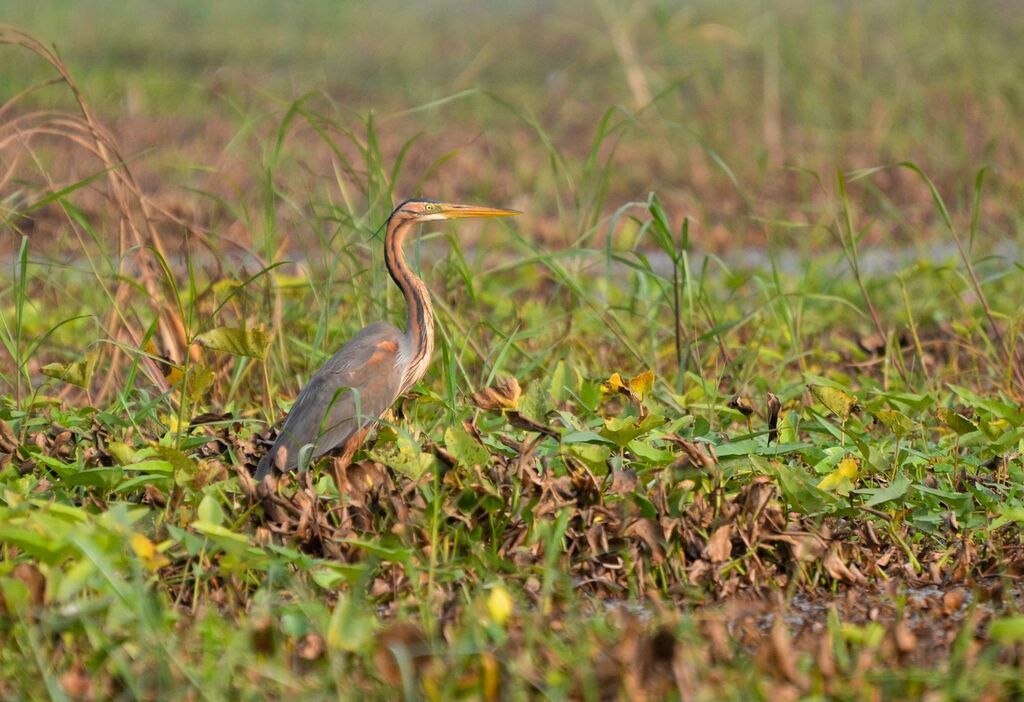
419	329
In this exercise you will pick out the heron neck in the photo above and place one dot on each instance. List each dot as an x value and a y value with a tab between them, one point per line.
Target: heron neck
419	329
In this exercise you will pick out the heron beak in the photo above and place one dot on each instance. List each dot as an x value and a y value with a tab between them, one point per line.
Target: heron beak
449	211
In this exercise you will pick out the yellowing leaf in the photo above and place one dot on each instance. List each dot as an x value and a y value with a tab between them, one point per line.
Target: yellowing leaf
845	472
78	373
404	455
642	384
955	421
837	402
197	382
896	422
636	389
147	553
252	343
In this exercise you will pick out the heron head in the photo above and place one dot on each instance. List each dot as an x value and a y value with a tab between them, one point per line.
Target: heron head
430	210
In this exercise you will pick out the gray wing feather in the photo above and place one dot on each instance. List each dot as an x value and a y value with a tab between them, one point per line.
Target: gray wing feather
352	389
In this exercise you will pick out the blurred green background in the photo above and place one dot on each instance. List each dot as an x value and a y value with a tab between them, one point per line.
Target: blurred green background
720	101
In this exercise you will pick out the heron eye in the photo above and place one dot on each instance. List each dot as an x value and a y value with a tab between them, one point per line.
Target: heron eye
429	207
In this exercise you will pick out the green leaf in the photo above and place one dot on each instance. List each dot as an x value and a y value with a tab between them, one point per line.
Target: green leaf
210	511
533	404
466	449
122	453
557	388
594	455
252	343
896	489
955	421
1007	630
351	625
623	430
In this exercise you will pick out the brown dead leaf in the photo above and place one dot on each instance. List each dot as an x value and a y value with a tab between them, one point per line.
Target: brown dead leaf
719	547
838	569
648	531
774	407
623	481
784	655
952	601
400	647
903	638
76	682
503	395
742	405
8	442
311	647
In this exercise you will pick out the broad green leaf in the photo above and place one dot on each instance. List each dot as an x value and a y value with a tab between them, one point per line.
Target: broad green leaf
896	489
122	453
559	378
594	455
210	511
623	430
252	343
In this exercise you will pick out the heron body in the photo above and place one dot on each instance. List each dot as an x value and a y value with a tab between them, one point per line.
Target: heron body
348	394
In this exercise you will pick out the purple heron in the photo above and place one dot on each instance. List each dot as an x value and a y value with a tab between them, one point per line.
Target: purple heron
344	399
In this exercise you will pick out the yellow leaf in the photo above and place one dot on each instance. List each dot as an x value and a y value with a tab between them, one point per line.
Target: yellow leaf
499	605
642	384
172	373
615	382
491	677
847	471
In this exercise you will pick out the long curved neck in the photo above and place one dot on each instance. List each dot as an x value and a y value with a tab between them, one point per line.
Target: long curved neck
419	329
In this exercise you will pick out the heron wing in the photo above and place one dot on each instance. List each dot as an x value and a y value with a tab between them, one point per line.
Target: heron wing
351	390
